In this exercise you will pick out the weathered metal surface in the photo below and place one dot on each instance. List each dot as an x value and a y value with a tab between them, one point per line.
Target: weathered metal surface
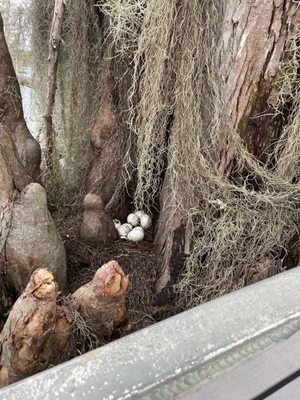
178	355
272	374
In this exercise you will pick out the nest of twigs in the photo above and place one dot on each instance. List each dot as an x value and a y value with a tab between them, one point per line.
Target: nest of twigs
136	259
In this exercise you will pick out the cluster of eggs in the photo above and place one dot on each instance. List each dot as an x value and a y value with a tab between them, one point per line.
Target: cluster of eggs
134	229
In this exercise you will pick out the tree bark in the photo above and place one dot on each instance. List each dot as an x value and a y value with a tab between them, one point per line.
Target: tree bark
101	302
28	237
36	331
13	178
33	241
54	44
105	176
252	41
97	228
255	36
39	330
11	112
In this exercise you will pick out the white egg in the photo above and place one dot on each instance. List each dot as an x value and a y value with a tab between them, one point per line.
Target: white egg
146	221
117	223
136	235
124	229
139	213
133	219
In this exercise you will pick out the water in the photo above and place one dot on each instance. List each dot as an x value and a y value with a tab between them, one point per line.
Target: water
30	109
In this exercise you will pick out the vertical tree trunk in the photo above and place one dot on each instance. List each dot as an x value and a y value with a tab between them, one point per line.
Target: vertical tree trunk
13	178
11	112
109	134
54	44
28	236
252	40
255	36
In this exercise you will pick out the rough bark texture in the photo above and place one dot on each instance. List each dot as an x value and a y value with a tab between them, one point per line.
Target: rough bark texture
36	331
253	37
106	168
103	173
13	178
54	43
33	241
28	237
96	228
11	112
101	302
167	246
14	172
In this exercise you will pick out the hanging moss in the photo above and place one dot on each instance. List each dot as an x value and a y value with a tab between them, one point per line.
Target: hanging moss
179	124
79	89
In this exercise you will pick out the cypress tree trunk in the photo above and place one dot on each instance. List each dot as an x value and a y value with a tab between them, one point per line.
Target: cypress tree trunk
187	111
251	45
28	236
11	114
194	79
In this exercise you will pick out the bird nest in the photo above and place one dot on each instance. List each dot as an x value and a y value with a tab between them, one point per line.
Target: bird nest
136	259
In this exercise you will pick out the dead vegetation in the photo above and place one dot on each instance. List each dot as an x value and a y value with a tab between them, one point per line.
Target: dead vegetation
78	92
137	260
142	80
240	214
